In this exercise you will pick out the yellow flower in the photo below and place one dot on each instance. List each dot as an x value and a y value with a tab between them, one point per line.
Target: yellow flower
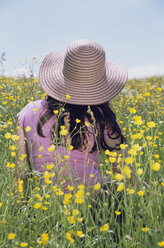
132	152
81	186
129	160
15	137
37	205
107	152
130	191
12	148
86	124
11	165
44	239
139	171
144	229
68	236
68	96
140	193
13	154
117	212
118	177
80	234
41	148
104	228
123	146
91	175
11	236
97	186
126	171
77	121
161	243
63	132
1	204
132	110
70	148
79	219
137	120
59	192
50	166
70	187
51	148
35	109
155	166
162	184
56	112
156	156
66	156
151	124
148	137
71	219
89	205
112	160
7	135
75	212
120	187
23	244
27	129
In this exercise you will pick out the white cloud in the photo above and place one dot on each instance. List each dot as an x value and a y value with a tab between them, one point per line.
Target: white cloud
133	72
146	71
18	72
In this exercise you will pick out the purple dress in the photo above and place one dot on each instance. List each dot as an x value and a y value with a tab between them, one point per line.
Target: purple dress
74	166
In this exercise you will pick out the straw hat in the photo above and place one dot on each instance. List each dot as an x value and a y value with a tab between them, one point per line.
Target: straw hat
83	73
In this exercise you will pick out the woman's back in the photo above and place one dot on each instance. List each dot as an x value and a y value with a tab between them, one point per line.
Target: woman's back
77	165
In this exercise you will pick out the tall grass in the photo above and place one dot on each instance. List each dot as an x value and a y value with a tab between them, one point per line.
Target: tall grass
35	214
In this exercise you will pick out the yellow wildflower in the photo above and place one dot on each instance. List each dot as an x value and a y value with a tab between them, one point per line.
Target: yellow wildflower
68	96
144	229
44	239
126	171
97	186
80	234
86	124
104	228
77	121
27	129
23	244
120	187
71	219
56	112
139	171
37	205
156	166
161	243
118	177
129	160
151	124
117	212
140	193
137	120
11	236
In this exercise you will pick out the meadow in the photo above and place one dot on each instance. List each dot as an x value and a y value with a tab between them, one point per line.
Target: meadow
42	215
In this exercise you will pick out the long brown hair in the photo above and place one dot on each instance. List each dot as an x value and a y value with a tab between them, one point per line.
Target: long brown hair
100	116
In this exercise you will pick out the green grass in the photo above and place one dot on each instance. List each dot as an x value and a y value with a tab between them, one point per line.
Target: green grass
17	212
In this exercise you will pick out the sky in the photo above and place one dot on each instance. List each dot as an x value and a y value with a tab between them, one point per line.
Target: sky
130	31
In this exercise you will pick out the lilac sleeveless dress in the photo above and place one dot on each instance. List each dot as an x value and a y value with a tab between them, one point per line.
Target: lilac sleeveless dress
74	166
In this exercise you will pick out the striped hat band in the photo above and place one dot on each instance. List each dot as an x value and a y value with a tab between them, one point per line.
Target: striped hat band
83	72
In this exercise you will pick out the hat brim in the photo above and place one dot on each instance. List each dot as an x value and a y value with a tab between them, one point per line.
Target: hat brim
56	85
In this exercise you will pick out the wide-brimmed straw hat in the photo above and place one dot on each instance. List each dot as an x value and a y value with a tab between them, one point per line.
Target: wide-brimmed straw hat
83	73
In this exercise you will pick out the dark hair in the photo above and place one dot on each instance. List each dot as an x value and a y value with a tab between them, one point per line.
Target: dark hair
100	116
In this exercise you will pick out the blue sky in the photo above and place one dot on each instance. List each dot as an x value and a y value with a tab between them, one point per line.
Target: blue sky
131	31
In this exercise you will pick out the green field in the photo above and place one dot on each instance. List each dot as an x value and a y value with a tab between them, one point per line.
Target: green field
41	215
